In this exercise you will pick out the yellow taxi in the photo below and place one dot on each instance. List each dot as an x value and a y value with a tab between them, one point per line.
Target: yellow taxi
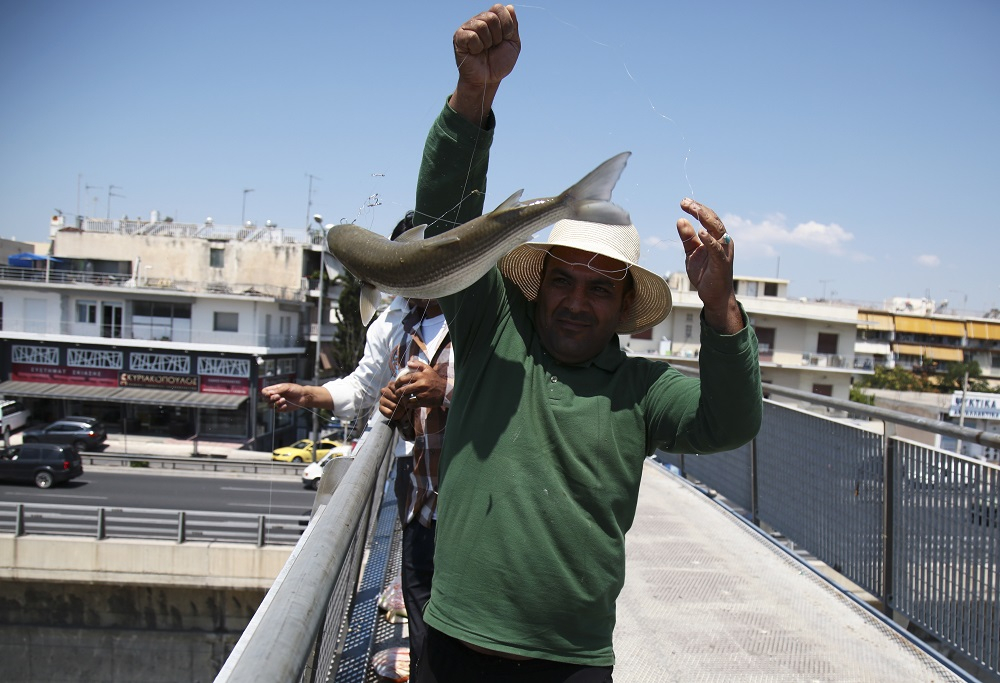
302	450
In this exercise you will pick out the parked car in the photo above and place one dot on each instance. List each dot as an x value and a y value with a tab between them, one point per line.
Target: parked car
44	464
80	432
302	450
314	471
13	416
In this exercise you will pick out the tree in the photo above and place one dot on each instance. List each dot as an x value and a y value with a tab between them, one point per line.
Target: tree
349	342
896	379
954	376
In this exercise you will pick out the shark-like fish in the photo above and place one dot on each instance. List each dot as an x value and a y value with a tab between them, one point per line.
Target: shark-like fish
430	268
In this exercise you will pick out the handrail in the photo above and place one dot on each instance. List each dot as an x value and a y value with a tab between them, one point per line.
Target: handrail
290	617
978	436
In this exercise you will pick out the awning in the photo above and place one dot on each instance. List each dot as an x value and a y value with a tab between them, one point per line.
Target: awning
983	330
938	353
52	390
945	328
184	399
874	321
931	352
165	397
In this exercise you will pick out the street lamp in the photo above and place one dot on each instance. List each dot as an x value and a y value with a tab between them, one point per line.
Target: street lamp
318	219
243	214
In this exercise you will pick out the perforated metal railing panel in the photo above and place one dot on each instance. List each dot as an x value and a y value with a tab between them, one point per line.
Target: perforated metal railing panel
368	631
707	598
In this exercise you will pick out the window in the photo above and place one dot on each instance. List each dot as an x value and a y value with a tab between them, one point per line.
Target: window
827	343
770	289
225	322
86	312
752	289
216	257
164	320
765	340
823	389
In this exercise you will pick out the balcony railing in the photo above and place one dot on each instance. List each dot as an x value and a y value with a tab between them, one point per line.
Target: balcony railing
56	276
146	332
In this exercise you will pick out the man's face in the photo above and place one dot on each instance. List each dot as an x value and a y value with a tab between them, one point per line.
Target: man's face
582	299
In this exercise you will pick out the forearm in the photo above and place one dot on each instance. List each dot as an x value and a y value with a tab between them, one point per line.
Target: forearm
474	104
451	186
316	398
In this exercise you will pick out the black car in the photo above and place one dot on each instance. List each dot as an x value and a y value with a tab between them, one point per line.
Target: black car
80	432
44	464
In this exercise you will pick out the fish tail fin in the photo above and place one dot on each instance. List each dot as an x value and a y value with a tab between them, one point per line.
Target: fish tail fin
369	302
590	199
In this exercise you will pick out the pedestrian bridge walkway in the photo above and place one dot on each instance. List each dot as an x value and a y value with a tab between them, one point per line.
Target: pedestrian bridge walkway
707	597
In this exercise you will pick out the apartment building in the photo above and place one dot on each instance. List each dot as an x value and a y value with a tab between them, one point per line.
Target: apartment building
162	327
805	345
918	335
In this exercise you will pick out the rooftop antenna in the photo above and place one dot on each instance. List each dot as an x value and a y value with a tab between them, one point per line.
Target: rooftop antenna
309	202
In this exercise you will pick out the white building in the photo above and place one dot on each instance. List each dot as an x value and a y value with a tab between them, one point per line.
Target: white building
805	345
162	327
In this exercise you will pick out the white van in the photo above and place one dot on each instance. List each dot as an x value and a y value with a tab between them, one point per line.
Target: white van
14	417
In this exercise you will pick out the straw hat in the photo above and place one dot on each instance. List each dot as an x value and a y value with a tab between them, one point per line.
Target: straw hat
652	300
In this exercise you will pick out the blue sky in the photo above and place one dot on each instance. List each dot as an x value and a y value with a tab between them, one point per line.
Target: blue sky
852	147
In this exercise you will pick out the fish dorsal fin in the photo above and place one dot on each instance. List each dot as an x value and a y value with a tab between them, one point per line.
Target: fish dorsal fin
511	201
414	234
369	302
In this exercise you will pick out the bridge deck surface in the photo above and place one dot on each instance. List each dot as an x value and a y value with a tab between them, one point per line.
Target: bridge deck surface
708	598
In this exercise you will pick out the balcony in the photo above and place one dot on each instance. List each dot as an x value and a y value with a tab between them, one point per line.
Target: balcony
178	334
90	280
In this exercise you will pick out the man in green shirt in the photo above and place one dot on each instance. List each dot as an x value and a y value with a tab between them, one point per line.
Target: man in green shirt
550	420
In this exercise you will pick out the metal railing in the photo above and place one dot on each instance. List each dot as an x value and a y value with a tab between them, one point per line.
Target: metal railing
299	631
144	332
915	526
206	463
61	276
21	519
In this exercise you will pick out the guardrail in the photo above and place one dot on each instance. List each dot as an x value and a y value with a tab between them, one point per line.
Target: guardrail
206	463
181	526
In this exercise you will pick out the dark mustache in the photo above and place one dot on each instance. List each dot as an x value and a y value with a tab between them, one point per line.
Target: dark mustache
563	314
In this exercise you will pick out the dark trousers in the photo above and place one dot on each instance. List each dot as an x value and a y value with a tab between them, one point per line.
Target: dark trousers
446	660
417	567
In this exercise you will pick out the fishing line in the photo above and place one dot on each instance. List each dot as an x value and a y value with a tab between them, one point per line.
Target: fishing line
672	238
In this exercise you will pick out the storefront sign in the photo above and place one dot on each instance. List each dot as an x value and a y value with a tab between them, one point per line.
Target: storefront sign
147	380
977	405
225	385
60	374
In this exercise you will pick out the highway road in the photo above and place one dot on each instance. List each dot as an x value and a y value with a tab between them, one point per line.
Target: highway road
160	489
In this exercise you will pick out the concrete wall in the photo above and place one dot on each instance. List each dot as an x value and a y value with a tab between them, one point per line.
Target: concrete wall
185	258
126	610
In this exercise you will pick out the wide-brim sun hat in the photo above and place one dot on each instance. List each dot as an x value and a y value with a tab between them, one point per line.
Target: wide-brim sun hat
652	301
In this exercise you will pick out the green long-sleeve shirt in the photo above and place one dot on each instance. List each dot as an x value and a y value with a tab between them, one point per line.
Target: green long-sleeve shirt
541	463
